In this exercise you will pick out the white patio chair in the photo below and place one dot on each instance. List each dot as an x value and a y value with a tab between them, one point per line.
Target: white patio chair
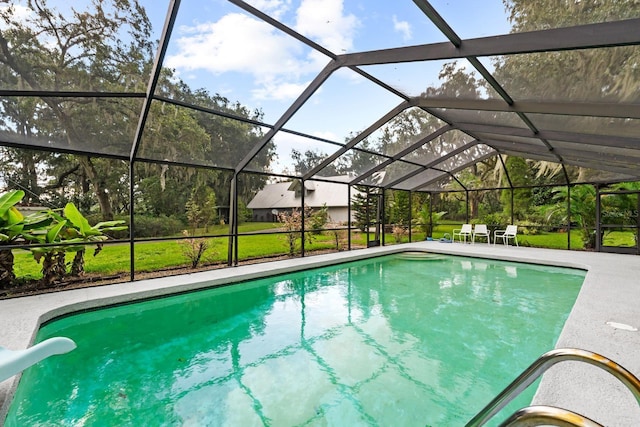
510	233
480	230
465	232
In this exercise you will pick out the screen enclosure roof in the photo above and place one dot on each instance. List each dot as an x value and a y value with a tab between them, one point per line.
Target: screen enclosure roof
401	95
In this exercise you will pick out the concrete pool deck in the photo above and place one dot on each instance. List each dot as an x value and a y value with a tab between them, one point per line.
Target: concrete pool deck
610	293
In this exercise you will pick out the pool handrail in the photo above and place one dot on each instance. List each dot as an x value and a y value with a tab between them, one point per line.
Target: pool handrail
535	415
12	362
541	365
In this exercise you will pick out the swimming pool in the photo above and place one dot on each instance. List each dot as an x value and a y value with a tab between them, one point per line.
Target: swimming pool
395	340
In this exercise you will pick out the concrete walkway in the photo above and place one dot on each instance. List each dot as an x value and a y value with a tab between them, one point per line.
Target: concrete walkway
611	293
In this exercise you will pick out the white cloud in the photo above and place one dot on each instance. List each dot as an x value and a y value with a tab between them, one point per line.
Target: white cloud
239	43
235	43
279	91
328	135
17	13
285	142
279	65
273	8
402	27
324	21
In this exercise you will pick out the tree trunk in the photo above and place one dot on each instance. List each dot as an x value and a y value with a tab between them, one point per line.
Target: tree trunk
61	266
473	207
98	186
77	267
202	246
7	276
47	270
30	172
53	268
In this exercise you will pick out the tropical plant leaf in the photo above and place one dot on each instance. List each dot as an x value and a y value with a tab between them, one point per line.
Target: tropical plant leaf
76	218
14	230
54	215
109	224
37	220
119	228
9	200
14	216
53	232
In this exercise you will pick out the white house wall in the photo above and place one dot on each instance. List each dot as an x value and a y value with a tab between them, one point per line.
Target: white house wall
339	215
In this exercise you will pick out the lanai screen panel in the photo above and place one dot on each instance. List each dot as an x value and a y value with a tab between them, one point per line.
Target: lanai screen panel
346	104
62	87
566	14
623	155
603	126
588	175
440	147
588	75
353	162
416	182
606	164
292	154
493	138
447	168
524	146
58	52
467	157
392	173
83	124
412	78
401	132
196	139
522	172
434	79
491	13
494	118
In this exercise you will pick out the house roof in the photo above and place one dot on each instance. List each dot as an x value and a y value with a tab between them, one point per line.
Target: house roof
283	195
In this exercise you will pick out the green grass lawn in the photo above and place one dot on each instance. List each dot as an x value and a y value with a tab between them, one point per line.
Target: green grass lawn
153	256
619	238
555	240
552	240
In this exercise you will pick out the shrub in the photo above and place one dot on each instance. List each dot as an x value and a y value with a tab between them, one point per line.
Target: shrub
529	228
339	238
244	213
148	226
194	248
292	224
145	225
425	219
495	219
319	219
398	233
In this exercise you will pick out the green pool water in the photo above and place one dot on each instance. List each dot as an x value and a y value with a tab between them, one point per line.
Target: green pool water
400	340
